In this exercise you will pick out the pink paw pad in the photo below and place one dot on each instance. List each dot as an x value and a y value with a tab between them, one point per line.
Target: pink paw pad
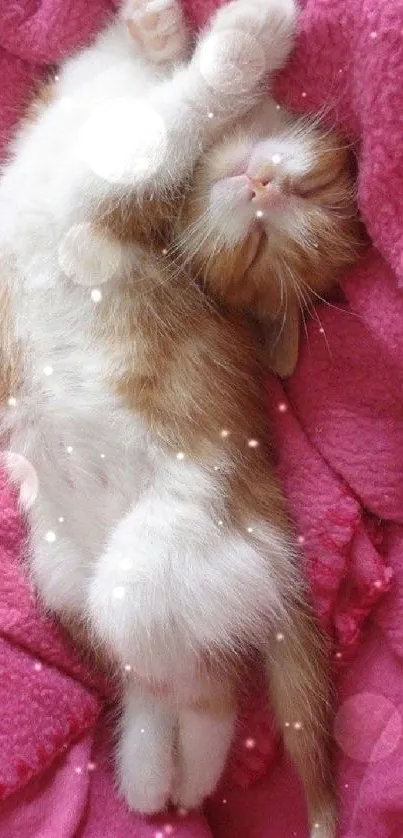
158	26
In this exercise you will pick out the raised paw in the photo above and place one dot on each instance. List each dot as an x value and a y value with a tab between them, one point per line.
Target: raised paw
159	27
247	40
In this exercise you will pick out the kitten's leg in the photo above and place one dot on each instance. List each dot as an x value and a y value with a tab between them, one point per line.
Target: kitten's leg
158	26
146	750
204	738
301	696
181	116
171	586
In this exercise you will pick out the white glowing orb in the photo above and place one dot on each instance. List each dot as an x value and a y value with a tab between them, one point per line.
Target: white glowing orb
231	60
368	727
224	434
250	743
282	407
122	139
180	455
250	529
279	636
23	476
118	592
276	159
48	370
259	213
91	766
96	295
126	564
50	537
220	523
12	401
253	443
69	449
301	539
61	520
297	726
128	667
37	667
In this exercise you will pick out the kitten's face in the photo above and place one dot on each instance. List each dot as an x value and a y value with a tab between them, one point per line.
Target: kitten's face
270	221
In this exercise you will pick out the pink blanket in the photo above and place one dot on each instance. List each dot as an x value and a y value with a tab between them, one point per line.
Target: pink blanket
339	430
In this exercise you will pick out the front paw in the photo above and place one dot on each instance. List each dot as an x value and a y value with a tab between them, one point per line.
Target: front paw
247	40
159	27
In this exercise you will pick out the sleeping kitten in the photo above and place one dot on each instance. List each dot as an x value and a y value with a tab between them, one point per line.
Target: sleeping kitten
159	525
270	222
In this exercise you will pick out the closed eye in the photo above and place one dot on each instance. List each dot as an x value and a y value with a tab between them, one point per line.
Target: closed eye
314	187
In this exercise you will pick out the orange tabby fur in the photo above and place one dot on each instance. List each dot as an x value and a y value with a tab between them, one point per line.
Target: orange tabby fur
195	374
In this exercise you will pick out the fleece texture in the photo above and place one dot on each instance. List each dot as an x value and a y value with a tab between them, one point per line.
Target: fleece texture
338	426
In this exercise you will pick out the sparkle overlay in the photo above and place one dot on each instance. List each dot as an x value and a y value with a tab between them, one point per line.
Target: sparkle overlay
123	138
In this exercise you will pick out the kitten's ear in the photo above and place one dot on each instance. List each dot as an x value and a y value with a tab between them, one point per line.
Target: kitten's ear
282	342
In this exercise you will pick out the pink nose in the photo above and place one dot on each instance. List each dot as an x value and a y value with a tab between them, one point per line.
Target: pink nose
264	193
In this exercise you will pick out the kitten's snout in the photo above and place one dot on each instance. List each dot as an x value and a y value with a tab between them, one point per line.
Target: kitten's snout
265	194
259	194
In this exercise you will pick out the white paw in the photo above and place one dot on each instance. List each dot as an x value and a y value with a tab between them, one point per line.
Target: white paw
159	27
203	743
247	40
191	792
146	795
145	756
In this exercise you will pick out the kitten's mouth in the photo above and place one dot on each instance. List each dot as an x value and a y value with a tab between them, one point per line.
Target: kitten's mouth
255	245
